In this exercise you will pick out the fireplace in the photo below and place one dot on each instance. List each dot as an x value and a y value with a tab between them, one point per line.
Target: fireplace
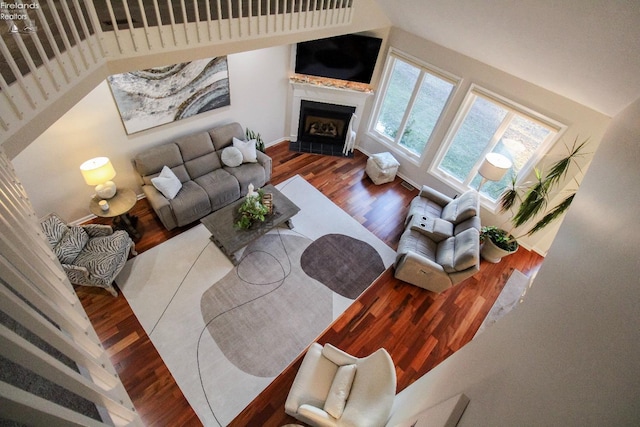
322	128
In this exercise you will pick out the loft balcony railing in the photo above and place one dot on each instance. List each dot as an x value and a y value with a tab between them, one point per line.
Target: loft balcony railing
47	49
48	46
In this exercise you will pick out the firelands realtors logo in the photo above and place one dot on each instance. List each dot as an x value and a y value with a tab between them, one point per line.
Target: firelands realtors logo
17	17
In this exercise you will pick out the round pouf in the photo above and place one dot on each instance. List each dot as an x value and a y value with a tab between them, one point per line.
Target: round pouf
382	168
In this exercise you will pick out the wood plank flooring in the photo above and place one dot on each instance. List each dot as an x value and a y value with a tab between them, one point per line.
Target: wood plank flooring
419	328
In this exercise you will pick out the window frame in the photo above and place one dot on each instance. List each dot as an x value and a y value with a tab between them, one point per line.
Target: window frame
512	108
423	68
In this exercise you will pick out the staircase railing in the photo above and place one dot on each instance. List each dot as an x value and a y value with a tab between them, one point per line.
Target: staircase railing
49	46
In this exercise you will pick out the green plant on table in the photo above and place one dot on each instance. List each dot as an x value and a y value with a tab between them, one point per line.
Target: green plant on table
252	210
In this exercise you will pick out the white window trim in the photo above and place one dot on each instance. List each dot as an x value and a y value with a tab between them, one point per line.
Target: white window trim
511	106
424	67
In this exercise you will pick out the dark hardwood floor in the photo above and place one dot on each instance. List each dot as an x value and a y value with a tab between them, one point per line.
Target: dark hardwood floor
419	328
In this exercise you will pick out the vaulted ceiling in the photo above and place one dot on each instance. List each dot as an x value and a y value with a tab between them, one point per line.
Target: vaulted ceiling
585	50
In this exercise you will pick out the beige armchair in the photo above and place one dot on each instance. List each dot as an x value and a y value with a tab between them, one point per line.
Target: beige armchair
90	255
333	388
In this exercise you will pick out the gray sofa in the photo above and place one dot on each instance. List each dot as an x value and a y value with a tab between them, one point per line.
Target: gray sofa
440	246
206	183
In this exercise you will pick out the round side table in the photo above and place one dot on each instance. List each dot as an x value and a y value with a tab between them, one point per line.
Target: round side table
119	207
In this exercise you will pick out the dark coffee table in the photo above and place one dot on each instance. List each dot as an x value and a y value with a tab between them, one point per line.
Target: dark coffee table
230	239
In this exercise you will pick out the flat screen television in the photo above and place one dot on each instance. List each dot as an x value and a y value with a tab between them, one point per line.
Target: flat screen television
351	57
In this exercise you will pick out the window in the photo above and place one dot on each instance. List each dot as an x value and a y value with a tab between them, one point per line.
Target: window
410	103
485	124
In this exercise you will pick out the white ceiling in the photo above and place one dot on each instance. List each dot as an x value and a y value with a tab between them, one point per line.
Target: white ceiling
585	50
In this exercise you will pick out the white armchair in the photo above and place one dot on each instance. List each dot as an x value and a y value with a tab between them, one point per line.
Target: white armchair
333	388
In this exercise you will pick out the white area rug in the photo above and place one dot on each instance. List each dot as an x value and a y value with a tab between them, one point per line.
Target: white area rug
509	298
164	287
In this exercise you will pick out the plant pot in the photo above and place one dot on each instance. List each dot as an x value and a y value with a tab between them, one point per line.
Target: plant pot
492	253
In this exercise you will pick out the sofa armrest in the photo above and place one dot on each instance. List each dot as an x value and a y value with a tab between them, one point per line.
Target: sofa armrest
413	268
337	356
266	163
418	262
459	276
316	416
473	222
161	206
435	195
435	229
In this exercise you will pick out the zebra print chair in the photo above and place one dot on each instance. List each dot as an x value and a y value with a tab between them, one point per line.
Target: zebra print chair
92	254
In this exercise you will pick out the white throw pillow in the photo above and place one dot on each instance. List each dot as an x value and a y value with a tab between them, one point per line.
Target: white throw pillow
248	150
231	157
167	183
339	391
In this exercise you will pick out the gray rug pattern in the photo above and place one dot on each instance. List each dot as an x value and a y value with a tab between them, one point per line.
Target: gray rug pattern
226	331
264	312
346	265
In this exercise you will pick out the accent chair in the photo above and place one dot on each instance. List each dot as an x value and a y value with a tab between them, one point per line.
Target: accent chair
90	255
333	388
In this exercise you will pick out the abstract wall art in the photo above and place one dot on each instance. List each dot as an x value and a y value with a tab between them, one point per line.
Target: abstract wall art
161	95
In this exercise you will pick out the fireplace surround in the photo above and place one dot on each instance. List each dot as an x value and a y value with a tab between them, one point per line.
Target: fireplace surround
320	117
323	128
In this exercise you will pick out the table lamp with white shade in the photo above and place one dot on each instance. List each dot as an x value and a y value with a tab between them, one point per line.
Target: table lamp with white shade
493	168
99	172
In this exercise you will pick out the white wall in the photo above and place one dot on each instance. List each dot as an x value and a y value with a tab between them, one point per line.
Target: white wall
582	122
569	354
49	167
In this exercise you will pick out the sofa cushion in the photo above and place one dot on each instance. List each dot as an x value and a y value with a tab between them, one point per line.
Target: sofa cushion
248	173
195	145
415	241
231	157
222	136
203	165
462	208
247	148
71	244
190	204
459	252
167	183
220	187
151	161
339	391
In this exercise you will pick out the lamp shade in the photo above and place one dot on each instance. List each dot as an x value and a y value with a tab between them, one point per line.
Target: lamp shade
494	166
97	171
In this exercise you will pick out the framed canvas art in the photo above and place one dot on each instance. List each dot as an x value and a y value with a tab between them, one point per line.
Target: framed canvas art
162	95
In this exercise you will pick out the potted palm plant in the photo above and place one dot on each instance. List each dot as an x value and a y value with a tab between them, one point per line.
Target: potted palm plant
532	200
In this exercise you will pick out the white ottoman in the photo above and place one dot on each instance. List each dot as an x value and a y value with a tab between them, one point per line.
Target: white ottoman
382	168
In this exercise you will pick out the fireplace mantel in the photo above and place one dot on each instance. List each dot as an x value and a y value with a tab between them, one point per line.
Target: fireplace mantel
329	93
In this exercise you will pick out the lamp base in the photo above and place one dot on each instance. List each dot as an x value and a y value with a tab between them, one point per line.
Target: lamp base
106	190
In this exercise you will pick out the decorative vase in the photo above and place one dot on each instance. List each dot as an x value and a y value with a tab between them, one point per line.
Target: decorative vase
492	253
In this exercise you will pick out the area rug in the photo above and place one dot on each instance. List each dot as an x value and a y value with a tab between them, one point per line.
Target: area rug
510	296
226	332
